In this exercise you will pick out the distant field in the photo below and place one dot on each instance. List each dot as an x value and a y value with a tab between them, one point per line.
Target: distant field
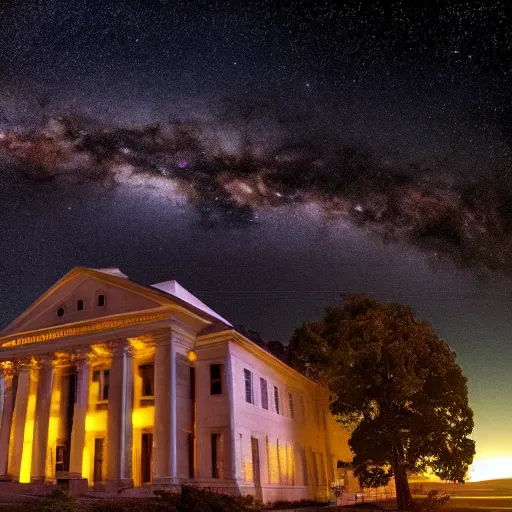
487	495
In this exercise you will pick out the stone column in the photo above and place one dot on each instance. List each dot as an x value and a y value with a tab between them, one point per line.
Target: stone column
18	421
79	415
7	409
165	454
120	435
42	419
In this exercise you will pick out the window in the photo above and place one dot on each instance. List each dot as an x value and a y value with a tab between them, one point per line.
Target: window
264	393
290	405
248	386
60	311
147	374
79	305
215	455
101	300
102	377
215	379
276	399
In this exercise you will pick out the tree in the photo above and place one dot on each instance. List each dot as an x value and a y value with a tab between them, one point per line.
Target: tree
397	385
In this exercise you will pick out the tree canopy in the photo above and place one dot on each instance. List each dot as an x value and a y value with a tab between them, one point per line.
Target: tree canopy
396	384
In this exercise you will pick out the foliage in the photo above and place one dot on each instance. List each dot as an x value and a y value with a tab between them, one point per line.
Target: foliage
432	503
191	499
286	505
133	505
397	383
59	500
372	475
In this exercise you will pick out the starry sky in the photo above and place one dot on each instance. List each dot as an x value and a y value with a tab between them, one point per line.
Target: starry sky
270	156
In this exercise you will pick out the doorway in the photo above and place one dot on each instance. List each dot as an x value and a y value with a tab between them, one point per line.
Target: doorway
146	456
98	460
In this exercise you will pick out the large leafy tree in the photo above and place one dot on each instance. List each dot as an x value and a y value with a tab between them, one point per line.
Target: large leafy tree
397	385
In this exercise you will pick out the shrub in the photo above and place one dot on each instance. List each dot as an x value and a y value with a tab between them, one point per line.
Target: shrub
432	503
133	505
59	500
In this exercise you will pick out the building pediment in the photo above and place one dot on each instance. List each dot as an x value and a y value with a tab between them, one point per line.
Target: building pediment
87	301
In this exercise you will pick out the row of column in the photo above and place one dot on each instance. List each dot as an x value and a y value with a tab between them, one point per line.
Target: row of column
39	376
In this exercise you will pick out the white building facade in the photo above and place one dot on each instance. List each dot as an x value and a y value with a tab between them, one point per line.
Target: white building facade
110	384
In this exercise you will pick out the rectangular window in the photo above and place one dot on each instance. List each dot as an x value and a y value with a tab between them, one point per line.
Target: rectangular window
248	386
264	393
147	374
276	399
215	455
215	379
290	405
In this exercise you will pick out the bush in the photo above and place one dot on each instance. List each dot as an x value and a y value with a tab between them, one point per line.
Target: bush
133	505
432	503
196	499
59	500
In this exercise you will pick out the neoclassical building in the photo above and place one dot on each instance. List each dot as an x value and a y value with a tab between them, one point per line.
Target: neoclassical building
110	384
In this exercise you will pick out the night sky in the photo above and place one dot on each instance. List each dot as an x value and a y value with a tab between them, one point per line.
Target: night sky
269	158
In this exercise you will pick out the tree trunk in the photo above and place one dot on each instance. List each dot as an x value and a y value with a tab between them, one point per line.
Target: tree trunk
403	493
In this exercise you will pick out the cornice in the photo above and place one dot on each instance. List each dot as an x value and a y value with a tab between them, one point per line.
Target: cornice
88	327
231	335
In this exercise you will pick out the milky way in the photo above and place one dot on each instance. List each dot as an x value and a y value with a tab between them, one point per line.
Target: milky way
470	221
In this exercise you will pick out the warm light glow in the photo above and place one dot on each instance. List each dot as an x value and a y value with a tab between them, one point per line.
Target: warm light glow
53	426
192	356
28	436
273	463
143	417
490	469
248	471
96	421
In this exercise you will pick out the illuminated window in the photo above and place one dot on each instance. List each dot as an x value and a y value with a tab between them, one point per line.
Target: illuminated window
103	378
79	305
101	300
215	379
264	393
248	386
290	405
276	399
147	374
60	311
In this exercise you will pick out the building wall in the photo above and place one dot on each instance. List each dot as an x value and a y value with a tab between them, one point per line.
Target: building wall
298	449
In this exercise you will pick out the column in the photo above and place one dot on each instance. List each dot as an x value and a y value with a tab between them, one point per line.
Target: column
18	421
6	421
79	415
165	466
120	435
42	419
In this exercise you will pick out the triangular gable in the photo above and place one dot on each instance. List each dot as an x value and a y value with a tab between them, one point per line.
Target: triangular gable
120	296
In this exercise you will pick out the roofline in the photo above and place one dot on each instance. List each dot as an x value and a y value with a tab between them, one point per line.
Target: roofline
260	352
147	291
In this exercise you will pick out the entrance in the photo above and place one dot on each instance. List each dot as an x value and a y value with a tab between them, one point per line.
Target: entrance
98	460
146	456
